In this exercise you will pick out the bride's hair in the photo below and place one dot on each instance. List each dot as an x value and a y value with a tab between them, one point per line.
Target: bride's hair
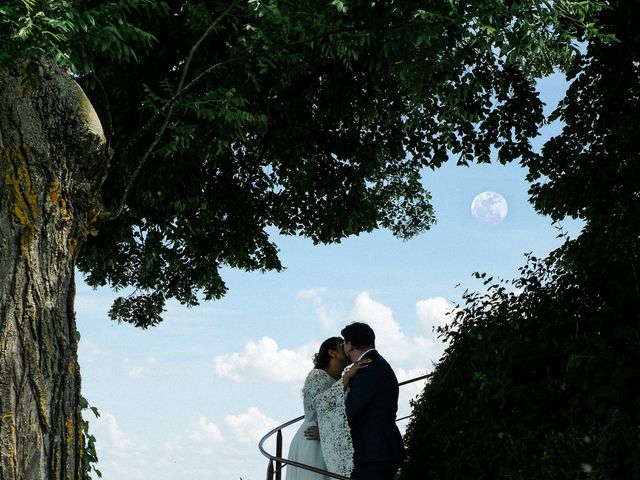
321	359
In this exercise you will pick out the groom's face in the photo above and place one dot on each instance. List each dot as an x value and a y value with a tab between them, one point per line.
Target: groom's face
348	349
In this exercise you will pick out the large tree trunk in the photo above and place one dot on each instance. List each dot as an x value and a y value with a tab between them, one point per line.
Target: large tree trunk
53	158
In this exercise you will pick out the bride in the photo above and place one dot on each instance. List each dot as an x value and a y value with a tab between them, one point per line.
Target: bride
323	397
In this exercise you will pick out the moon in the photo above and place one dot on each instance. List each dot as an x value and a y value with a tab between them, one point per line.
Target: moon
489	207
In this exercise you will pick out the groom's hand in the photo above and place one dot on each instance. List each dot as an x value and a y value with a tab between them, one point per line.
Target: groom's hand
312	433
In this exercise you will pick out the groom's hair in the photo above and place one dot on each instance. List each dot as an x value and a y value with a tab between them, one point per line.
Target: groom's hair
359	334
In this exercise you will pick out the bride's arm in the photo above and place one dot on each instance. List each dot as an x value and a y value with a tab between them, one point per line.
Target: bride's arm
353	369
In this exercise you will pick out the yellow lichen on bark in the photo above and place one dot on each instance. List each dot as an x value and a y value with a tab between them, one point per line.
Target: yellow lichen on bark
39	384
19	182
25	89
9	457
64	210
21	194
82	438
73	245
58	201
70	434
56	471
12	463
42	404
8	416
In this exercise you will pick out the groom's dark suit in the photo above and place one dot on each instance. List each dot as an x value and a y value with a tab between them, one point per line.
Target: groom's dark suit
371	410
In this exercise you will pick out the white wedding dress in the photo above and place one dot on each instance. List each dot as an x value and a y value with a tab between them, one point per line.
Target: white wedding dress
323	401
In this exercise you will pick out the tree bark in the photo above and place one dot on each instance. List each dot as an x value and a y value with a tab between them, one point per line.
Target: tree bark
53	159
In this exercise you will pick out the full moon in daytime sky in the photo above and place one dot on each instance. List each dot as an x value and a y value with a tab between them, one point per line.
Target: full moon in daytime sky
489	207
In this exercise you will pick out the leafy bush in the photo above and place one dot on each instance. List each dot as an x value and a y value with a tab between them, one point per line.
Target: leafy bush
544	383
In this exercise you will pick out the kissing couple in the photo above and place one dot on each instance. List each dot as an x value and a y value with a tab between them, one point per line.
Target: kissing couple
349	423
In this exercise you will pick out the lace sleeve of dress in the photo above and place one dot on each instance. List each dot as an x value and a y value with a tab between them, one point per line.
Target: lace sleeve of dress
335	436
317	382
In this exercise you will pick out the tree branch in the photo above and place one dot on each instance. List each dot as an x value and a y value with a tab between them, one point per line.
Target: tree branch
170	104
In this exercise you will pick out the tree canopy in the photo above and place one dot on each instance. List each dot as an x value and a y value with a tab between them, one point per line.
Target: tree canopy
231	120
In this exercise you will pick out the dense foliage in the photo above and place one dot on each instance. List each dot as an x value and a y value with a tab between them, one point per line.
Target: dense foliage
545	383
232	120
72	33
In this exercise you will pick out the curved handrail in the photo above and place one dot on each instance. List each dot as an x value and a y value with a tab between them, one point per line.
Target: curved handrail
286	461
411	380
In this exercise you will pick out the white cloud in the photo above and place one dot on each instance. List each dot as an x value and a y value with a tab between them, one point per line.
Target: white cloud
88	350
266	361
115	438
123	470
121	456
206	432
136	370
380	317
391	341
204	438
328	316
172	448
314	294
251	426
433	312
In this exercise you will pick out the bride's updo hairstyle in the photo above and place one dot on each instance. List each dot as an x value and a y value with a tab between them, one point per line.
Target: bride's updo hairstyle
321	359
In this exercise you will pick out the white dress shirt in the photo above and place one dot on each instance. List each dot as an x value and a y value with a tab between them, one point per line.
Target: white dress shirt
360	357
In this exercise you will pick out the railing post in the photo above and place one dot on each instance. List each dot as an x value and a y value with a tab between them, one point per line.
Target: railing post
279	455
270	470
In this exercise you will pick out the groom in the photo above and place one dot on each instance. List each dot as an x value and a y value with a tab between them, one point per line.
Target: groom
371	408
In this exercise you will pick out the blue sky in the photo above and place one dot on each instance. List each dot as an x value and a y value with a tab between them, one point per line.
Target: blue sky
190	398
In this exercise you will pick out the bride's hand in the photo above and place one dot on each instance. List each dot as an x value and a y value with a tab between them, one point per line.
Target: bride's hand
353	369
312	433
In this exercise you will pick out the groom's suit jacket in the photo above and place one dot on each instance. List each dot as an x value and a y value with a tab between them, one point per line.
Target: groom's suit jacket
371	405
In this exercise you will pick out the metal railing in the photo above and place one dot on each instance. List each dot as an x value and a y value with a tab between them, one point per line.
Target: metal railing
277	462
